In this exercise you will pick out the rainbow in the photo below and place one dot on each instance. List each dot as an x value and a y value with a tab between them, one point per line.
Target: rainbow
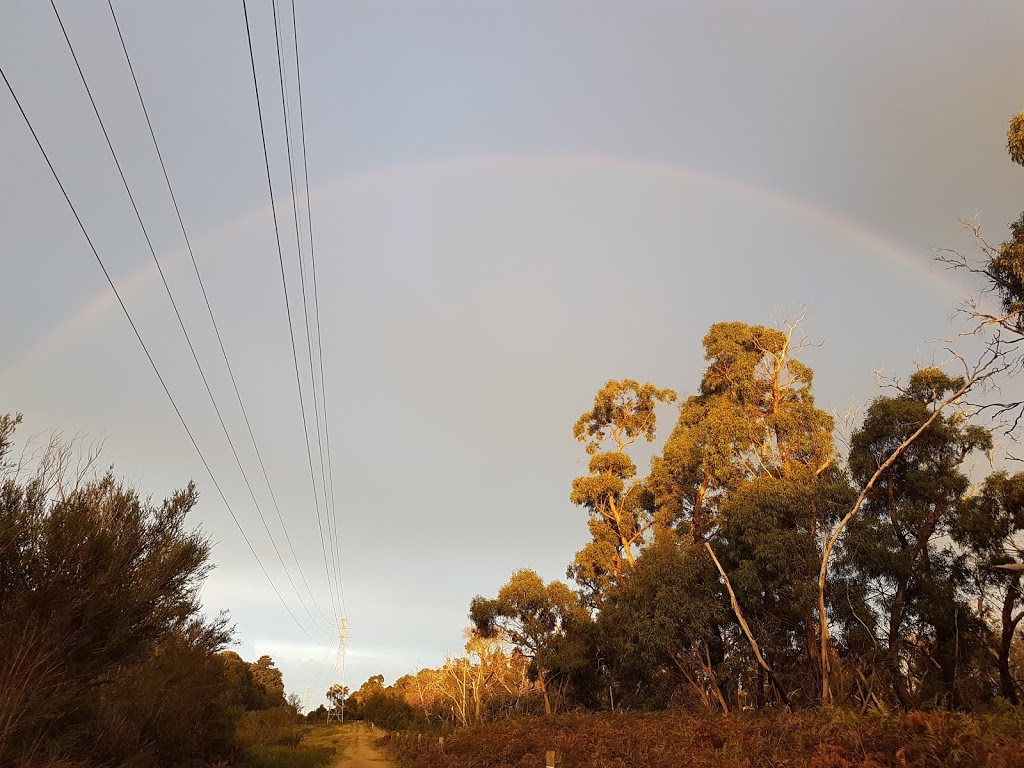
79	320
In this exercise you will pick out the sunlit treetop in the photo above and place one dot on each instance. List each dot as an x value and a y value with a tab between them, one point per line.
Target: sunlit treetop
622	412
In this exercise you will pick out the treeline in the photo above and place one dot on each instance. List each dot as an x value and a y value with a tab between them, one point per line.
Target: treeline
771	558
105	657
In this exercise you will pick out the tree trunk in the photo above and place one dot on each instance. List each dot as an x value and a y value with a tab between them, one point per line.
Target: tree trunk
1007	687
544	689
779	693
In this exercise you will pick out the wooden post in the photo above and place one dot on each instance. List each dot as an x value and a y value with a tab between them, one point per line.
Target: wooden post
549	760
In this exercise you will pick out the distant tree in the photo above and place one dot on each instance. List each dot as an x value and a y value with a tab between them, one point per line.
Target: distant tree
373	685
243	694
532	617
269	678
337	695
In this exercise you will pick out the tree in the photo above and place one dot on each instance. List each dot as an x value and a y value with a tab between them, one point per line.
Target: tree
620	507
749	471
533	617
1001	268
244	694
336	695
899	543
99	595
269	678
990	528
934	392
664	630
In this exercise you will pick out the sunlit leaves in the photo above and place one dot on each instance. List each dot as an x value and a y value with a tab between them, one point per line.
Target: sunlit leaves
1015	139
622	412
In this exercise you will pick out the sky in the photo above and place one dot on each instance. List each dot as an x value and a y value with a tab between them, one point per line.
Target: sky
511	204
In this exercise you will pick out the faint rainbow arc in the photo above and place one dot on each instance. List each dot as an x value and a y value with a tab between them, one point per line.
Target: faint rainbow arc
104	301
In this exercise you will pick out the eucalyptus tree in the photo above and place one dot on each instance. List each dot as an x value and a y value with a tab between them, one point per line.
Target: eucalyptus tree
620	507
748	476
663	632
533	617
991	529
898	544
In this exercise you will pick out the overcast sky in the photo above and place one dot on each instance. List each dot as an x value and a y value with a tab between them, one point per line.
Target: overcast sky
511	203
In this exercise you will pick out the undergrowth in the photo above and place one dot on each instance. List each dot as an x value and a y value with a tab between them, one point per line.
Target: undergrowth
274	739
837	739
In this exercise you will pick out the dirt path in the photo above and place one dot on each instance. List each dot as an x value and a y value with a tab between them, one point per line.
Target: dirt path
354	743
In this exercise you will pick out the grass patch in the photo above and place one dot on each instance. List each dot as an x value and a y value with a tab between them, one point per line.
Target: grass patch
326	736
277	739
288	757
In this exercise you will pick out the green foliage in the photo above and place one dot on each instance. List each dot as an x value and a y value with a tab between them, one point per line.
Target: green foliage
899	547
662	631
622	412
106	655
1015	139
269	678
388	711
755	415
533	617
252	686
620	505
1006	274
751	467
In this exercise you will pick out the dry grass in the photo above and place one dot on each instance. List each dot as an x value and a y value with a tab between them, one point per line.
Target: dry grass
671	740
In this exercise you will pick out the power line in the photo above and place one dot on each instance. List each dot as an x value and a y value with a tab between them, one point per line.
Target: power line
149	357
316	300
287	303
170	296
209	308
302	280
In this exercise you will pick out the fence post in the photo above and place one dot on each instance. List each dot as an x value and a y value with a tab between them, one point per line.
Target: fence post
549	760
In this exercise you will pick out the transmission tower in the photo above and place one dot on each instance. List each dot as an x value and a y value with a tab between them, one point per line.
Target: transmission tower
339	669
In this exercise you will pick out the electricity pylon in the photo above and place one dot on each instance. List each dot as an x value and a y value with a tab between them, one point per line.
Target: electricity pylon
339	669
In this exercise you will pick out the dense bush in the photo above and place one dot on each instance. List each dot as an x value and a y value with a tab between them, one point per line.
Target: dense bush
106	657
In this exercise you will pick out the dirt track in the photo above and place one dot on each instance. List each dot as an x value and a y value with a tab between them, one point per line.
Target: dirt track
354	743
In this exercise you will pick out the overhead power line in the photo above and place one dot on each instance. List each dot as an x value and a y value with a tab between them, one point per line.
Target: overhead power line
177	313
316	300
209	308
287	303
149	357
282	80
